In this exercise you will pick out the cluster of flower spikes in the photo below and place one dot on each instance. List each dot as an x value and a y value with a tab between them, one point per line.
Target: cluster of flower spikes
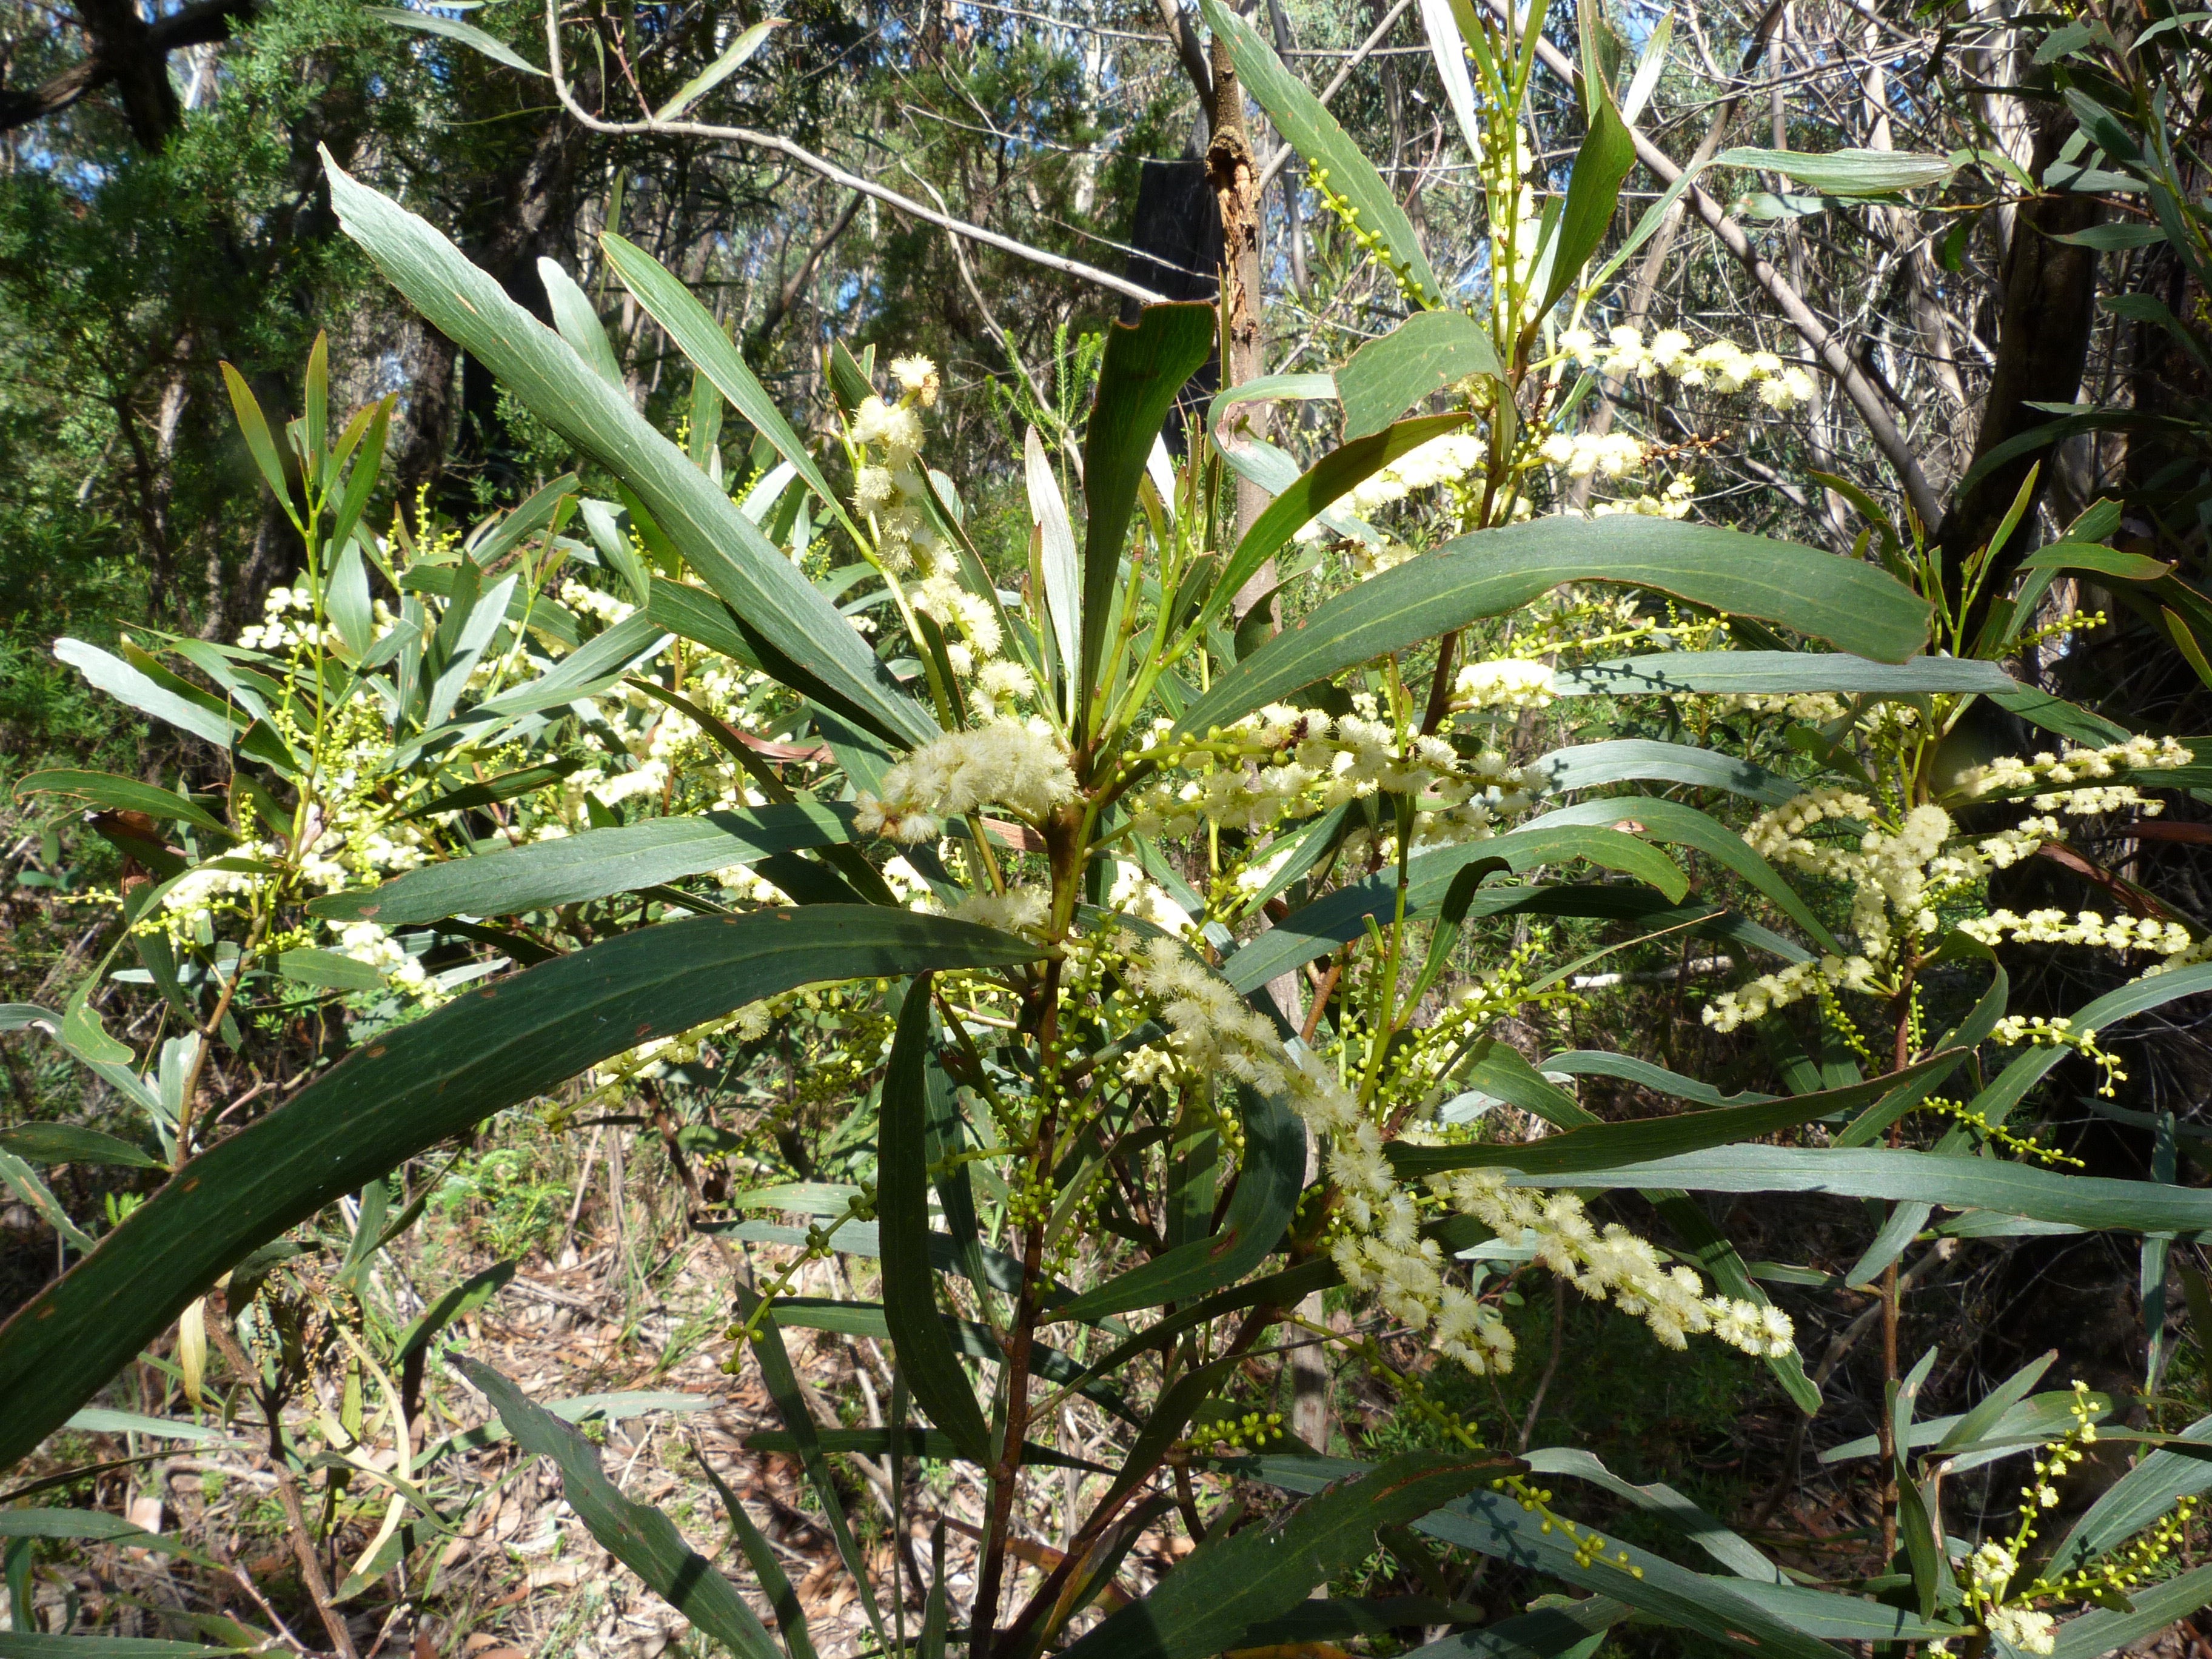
1380	1248
2073	768
1992	1567
1897	880
1283	761
1018	766
1723	365
890	489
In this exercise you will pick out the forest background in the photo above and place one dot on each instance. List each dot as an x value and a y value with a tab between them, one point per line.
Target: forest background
2013	339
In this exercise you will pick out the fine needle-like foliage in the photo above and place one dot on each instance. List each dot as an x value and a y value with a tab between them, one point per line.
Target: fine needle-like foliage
1174	959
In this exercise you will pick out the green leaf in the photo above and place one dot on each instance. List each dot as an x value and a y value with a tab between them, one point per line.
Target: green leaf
1318	928
1621	760
1062	573
1143	369
594	864
2093	1202
1593	193
457	1301
760	1555
1302	388
125	684
246	408
1267	1196
19	1176
2102	1632
925	1353
1427	352
1599	1062
1495	1524
1308	127
1995	1103
702	339
810	642
582	673
328	970
2103	561
576	319
1846	171
414	1086
1683	825
1260	1573
83	1035
2029	1422
1852	606
733	58
347	601
100	1419
66	1143
452	28
524	781
2137	1498
118	794
1328	480
1731	1549
782	1385
1604	1146
1680	673
580	1408
637	1534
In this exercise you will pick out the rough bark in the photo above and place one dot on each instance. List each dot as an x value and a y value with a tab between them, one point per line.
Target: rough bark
131	55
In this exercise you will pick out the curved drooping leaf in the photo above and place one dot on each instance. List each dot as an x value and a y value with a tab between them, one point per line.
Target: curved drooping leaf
702	340
591	865
1142	370
1846	171
1740	672
1306	123
1267	1196
1995	1103
1061	569
429	22
2102	1631
637	1534
1730	1548
1853	606
2137	1498
128	683
1494	1524
932	1370
1683	825
1602	1145
1268	388
1623	760
2092	1202
413	1087
1262	1572
1330	920
1602	160
786	618
120	794
733	58
1599	1062
1327	480
1427	352
68	1142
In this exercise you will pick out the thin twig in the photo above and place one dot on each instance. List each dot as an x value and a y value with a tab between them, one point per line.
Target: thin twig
652	126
